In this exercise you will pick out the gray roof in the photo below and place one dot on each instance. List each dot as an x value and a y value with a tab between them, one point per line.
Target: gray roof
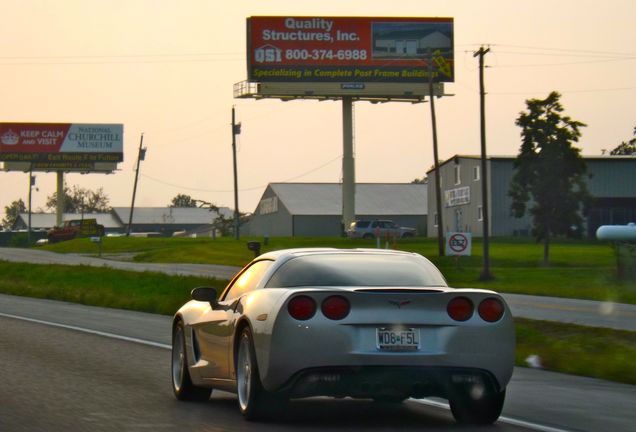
169	215
371	198
47	220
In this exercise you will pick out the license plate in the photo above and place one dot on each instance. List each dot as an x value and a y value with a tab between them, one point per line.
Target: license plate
398	339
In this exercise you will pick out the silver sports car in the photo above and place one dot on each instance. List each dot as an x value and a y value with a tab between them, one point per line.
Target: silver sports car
375	324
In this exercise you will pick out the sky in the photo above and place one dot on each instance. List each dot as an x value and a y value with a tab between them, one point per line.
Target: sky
167	69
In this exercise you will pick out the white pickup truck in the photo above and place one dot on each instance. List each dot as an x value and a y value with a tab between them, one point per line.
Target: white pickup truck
379	228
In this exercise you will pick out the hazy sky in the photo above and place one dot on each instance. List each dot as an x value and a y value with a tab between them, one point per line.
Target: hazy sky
166	68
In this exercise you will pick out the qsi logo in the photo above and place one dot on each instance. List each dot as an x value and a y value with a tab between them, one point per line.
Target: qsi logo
267	54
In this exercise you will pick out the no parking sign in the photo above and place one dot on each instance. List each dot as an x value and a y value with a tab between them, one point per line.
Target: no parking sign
458	244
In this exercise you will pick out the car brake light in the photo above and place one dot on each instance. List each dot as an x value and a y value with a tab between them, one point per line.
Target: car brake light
301	307
335	307
491	309
460	309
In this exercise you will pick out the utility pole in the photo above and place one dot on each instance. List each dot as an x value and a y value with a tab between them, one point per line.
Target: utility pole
438	186
140	156
485	273
236	130
31	183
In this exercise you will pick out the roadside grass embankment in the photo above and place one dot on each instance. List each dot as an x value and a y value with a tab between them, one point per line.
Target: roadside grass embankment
578	270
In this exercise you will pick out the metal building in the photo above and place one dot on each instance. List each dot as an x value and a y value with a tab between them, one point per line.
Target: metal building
611	182
315	209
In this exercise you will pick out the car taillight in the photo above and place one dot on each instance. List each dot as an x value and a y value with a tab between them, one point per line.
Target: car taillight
302	307
335	307
491	309
460	309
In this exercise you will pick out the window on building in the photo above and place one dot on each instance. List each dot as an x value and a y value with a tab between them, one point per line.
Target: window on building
480	213
476	173
458	179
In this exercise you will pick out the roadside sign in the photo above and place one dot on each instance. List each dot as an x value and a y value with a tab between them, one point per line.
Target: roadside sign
458	244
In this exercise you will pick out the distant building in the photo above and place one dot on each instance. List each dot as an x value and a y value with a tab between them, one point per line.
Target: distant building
315	209
168	220
612	183
46	221
164	221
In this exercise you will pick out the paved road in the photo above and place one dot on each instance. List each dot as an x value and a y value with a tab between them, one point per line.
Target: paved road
61	380
563	402
38	256
584	312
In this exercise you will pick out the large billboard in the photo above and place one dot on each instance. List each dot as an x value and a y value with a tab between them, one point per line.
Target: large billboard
61	146
349	49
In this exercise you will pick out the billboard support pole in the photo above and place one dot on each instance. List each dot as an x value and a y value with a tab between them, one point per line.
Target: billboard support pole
438	186
348	165
59	208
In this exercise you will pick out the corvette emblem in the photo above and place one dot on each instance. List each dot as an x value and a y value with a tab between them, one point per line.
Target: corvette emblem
399	304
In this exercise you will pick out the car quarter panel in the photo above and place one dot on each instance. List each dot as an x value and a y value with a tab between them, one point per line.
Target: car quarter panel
292	345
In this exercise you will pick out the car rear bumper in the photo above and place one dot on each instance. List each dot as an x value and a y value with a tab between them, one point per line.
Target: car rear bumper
389	382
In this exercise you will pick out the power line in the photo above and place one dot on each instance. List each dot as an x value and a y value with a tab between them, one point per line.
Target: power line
176	186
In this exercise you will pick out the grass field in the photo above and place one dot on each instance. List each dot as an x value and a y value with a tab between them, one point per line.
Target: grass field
578	269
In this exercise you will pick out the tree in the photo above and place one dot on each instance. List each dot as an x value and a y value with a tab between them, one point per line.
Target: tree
221	223
626	148
549	171
80	200
182	200
12	212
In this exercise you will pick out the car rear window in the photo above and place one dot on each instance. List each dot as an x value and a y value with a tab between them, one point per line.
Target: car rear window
364	270
362	224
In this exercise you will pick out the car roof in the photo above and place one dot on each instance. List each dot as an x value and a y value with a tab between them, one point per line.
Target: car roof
289	253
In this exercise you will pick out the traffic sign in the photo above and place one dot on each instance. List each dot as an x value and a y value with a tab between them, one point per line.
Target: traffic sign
458	244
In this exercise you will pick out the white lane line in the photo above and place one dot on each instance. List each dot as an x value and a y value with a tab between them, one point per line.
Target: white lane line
85	330
509	420
503	419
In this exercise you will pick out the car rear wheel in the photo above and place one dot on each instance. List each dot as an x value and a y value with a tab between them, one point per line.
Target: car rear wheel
254	401
181	382
478	411
368	236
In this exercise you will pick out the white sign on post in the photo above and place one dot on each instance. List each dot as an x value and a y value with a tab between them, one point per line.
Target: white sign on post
458	244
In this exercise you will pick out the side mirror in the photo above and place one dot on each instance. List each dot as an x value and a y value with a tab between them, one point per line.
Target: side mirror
206	294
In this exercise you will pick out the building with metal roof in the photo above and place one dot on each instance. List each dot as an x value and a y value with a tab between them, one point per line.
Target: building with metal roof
168	220
162	221
315	209
611	181
46	221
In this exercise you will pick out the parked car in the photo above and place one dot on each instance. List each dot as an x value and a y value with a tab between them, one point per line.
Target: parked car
362	323
73	228
379	228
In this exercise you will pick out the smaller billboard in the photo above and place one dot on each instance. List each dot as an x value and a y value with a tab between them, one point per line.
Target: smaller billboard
349	49
51	146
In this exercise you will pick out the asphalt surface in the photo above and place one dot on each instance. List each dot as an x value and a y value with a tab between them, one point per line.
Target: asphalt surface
584	312
62	380
65	379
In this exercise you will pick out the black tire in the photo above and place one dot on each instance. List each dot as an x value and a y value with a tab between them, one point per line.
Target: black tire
482	411
255	402
368	236
181	383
